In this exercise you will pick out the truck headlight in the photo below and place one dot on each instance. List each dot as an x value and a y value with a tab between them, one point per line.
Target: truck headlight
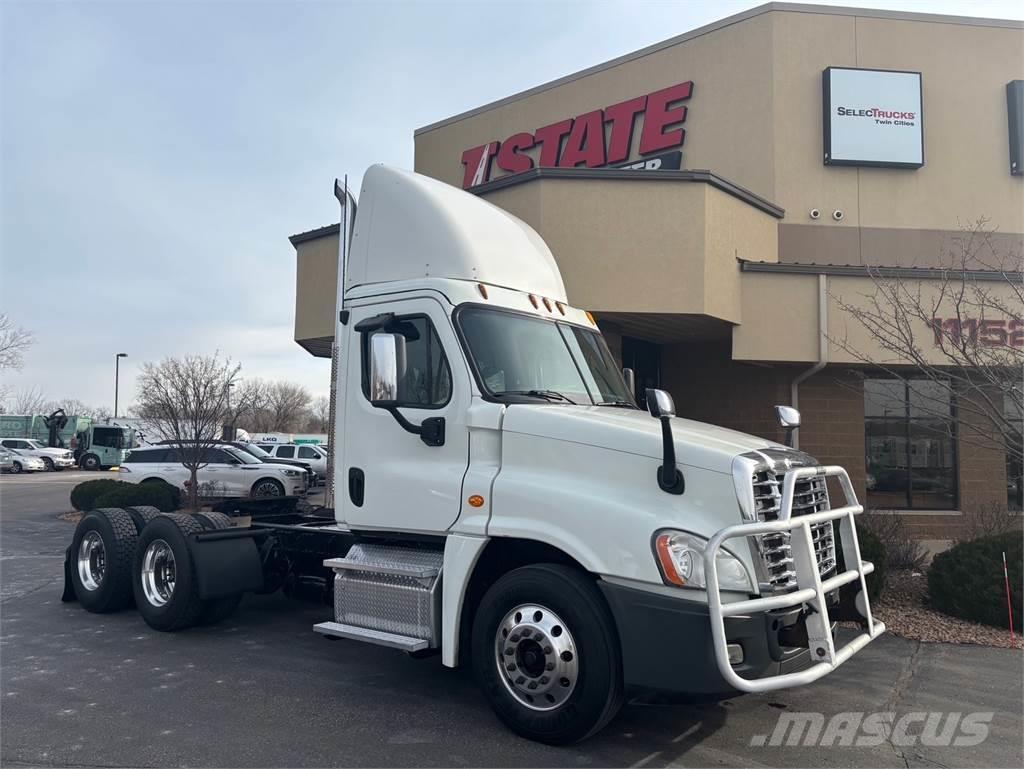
680	557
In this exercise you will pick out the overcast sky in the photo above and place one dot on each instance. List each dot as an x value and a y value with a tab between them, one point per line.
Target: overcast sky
156	155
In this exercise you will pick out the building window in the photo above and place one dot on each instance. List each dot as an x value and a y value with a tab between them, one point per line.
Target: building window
1014	465
910	445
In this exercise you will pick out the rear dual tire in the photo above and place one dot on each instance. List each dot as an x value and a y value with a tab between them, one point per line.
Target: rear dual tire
101	560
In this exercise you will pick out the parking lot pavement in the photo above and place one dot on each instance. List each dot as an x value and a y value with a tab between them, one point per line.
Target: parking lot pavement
261	689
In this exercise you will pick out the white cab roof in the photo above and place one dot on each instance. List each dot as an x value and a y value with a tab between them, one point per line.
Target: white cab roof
410	226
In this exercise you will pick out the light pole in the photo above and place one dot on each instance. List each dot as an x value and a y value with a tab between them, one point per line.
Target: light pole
231	417
117	376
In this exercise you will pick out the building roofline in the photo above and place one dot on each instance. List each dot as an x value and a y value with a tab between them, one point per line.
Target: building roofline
626	174
825	10
320	232
871	271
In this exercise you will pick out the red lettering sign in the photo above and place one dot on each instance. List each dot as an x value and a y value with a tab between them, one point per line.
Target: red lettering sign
988	333
582	141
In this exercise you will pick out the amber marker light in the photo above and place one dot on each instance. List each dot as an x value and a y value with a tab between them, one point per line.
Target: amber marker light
561	307
476	501
482	289
668	568
534	302
591	318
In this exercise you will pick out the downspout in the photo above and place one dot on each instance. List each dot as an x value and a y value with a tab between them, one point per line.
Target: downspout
794	387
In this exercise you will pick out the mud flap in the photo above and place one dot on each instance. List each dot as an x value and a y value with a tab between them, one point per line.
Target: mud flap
226	563
68	596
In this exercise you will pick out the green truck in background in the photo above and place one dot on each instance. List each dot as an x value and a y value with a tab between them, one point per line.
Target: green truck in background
95	445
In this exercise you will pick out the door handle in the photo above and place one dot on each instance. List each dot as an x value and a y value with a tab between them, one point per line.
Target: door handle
356	486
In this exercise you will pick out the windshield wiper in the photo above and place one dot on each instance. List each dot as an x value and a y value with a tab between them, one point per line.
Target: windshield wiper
551	395
619	404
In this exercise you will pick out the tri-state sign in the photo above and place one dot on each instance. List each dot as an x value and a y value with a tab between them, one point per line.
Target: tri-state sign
594	139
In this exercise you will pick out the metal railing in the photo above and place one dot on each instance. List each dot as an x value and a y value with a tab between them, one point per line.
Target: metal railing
810	587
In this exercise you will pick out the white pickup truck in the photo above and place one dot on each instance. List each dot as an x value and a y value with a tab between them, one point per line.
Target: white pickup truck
502	501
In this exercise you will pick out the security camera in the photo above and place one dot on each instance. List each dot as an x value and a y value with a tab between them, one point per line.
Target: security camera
815	213
838	215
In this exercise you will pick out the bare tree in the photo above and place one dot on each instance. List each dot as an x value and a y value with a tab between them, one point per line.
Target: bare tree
185	399
14	342
955	338
319	420
244	398
278	407
75	407
29	400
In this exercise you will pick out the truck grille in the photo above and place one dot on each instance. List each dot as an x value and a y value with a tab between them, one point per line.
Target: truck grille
810	496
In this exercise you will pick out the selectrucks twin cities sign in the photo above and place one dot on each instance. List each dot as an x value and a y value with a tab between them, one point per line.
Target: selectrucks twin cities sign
872	118
583	140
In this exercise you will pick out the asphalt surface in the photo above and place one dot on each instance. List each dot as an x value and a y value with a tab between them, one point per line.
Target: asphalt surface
261	689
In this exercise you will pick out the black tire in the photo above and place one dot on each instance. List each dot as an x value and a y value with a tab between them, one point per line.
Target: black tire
597	692
48	464
105	588
90	462
262	486
16	468
219	608
179	606
141	515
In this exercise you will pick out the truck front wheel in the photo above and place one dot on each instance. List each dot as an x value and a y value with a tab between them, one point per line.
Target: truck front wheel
90	462
546	654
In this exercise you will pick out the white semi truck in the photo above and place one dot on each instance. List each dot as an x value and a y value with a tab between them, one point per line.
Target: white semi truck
501	500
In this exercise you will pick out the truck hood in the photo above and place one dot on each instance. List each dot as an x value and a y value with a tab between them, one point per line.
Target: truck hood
636	432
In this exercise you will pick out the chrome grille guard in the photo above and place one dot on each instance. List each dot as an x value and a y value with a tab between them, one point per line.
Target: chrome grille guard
810	587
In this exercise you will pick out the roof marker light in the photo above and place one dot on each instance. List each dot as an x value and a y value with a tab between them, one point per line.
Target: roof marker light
591	318
561	307
534	302
547	304
482	289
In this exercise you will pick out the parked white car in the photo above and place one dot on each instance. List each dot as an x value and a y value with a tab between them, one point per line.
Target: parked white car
311	453
228	472
52	458
25	463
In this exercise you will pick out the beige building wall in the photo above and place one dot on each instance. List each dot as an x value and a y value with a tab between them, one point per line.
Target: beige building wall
755	117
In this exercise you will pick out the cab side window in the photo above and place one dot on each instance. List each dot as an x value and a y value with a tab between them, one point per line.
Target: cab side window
286	452
427	381
307	453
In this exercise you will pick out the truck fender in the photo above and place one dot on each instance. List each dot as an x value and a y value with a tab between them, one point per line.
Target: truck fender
461	553
226	562
68	596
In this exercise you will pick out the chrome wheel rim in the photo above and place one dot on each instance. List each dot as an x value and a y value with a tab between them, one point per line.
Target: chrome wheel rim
92	561
267	489
536	657
158	573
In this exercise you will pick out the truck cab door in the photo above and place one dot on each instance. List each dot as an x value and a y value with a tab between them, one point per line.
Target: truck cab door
388	478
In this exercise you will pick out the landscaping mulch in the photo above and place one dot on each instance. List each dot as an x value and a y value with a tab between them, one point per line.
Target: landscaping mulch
904	609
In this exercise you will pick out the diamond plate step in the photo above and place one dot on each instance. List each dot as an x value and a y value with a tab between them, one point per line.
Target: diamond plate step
379	637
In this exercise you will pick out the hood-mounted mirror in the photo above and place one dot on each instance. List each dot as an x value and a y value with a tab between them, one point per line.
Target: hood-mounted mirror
789	420
662	407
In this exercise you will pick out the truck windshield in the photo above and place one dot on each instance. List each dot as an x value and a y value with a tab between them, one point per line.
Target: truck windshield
520	355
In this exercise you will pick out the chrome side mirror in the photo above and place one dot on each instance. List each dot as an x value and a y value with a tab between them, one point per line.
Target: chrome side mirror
662	407
387	365
789	420
660	404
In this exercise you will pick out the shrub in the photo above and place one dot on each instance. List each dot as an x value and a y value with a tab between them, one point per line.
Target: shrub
159	494
872	549
901	550
967	581
84	495
988	521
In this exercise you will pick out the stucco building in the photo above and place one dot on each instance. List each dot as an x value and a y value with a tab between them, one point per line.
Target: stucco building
720	200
